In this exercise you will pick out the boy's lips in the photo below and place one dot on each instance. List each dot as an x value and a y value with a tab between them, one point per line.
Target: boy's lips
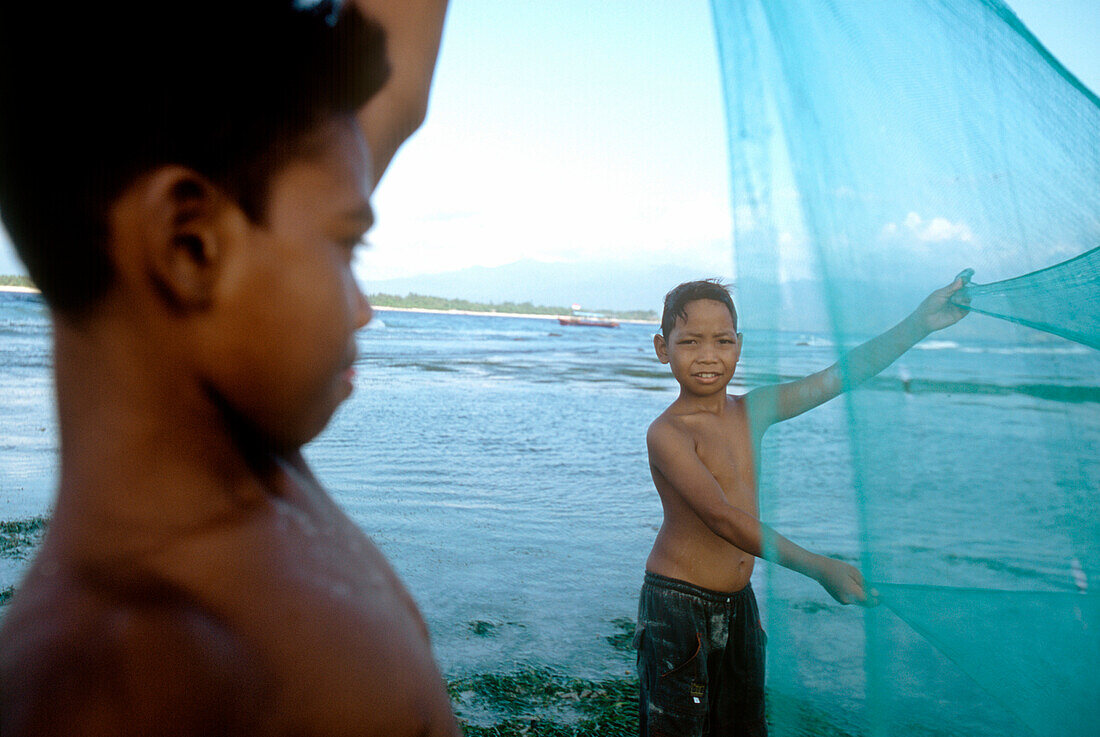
348	374
706	375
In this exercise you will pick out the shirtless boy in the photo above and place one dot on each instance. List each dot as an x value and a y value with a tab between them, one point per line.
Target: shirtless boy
186	183
700	642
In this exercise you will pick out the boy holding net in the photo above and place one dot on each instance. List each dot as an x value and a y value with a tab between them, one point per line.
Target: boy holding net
699	637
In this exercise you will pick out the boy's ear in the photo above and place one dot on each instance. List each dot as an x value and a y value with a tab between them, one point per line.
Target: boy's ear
737	348
186	234
660	347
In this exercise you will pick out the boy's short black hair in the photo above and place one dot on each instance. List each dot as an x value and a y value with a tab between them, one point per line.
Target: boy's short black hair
679	297
92	95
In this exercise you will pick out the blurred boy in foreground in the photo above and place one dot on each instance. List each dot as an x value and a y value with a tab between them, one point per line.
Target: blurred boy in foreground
186	183
699	637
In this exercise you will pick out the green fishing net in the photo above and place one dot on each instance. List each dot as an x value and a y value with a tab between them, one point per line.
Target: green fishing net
1061	299
877	149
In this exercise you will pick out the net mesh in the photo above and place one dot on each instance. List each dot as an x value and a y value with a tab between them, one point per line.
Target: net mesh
1060	299
876	150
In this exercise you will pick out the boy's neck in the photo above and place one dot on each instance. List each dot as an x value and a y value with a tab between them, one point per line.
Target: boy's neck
713	403
145	451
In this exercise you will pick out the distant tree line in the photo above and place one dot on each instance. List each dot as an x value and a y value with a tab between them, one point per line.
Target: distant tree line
424	302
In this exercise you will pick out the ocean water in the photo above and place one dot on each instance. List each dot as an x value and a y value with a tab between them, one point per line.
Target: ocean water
500	463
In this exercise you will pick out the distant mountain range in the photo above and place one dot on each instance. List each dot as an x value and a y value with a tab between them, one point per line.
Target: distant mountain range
595	286
797	306
793	305
619	286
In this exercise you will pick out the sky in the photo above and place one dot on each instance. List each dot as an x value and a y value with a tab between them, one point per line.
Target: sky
586	131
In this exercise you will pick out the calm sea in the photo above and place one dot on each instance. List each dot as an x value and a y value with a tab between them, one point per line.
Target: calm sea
500	463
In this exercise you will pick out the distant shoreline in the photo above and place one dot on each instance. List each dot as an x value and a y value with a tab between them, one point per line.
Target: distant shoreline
475	313
379	308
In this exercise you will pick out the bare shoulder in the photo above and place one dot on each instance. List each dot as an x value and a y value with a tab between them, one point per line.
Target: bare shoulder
152	663
344	645
743	415
244	639
738	404
670	428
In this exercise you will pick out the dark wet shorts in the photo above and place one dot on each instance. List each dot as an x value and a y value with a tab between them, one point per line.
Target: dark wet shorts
700	661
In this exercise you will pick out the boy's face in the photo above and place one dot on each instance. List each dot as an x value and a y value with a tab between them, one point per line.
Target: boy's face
702	349
291	300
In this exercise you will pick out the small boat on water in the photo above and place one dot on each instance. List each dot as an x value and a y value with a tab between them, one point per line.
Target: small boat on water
588	319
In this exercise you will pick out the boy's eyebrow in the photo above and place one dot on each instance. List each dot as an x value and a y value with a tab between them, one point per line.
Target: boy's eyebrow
699	334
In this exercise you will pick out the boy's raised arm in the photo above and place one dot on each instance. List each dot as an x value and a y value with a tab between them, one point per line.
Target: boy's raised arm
778	402
414	29
672	453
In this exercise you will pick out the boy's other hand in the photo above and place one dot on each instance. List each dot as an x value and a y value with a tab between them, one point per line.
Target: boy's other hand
844	583
938	310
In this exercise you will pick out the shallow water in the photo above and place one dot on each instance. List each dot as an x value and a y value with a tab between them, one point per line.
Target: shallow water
500	463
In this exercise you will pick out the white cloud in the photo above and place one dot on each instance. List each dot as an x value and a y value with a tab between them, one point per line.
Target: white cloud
548	220
528	203
942	229
936	230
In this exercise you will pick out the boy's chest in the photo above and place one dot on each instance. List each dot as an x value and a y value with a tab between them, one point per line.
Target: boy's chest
725	446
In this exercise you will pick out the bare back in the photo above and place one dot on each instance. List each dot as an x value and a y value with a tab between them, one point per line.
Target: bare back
686	548
283	620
